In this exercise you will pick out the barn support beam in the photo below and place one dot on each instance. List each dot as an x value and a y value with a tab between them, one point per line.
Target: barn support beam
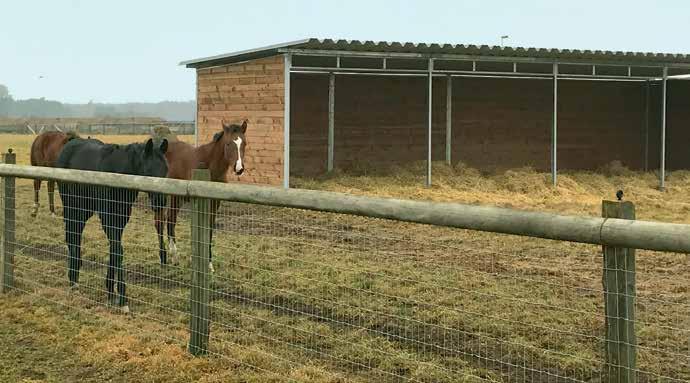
449	116
429	116
286	123
554	128
646	126
196	110
331	120
662	163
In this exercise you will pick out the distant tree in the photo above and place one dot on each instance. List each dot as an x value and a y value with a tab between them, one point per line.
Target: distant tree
5	101
40	107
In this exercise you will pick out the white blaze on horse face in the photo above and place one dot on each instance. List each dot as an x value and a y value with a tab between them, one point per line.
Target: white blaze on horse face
238	163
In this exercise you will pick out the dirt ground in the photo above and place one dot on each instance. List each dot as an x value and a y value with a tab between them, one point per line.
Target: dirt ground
305	296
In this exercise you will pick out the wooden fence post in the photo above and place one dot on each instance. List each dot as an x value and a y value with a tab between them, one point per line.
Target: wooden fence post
200	294
7	227
619	301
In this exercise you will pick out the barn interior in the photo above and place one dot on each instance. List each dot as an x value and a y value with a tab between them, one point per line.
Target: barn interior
499	115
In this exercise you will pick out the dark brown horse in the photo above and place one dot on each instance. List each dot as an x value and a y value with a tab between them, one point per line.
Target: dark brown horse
225	150
44	152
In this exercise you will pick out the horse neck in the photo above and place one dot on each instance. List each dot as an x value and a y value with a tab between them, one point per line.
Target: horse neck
213	156
123	159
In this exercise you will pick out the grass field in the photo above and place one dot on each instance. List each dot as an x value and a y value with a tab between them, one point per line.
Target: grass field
303	296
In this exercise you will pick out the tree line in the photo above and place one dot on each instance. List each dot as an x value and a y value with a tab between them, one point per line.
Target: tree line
42	108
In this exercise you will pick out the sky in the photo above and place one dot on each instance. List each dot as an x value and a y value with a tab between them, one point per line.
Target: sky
129	51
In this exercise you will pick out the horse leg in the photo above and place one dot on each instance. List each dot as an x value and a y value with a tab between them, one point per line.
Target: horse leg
51	197
215	204
74	227
172	221
115	267
159	216
37	188
114	218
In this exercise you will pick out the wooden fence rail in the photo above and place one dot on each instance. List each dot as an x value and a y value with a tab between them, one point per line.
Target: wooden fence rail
177	127
659	236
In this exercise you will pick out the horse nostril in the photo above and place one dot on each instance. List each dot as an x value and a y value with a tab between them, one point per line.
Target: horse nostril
239	173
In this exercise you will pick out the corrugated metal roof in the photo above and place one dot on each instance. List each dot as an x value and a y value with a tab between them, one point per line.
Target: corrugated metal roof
628	58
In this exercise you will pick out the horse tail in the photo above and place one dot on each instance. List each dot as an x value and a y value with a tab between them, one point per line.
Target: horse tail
34	151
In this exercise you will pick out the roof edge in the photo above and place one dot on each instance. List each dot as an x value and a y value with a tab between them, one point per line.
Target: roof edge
426	49
194	63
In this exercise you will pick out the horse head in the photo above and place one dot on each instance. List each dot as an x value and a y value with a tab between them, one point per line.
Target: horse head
233	139
154	164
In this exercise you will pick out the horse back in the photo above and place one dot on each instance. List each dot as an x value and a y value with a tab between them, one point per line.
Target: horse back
47	147
81	154
94	155
182	159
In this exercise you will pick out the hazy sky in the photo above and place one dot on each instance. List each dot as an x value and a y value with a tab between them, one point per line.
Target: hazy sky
115	51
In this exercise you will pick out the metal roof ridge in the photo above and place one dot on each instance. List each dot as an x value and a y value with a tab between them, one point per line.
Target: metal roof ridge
448	48
246	51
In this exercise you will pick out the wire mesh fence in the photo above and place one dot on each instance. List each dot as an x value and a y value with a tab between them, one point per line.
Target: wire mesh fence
299	295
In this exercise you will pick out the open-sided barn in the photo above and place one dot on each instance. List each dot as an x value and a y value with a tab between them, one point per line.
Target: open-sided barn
314	105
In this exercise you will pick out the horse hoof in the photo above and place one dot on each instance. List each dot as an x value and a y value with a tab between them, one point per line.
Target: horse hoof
73	288
125	309
210	268
52	214
172	248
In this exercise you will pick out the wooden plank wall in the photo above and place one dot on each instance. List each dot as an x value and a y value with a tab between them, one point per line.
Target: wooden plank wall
498	124
254	91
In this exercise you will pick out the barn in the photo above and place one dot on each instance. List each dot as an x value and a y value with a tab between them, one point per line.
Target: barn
314	105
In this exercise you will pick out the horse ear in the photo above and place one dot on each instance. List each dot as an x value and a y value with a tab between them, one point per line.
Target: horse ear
244	127
149	147
164	146
218	136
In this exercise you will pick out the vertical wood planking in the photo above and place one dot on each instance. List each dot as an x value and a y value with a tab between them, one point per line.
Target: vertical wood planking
646	126
199	299
449	118
7	226
619	301
662	164
430	109
331	120
554	129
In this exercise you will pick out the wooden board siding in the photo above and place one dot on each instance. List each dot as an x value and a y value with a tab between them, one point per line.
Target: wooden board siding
497	123
254	91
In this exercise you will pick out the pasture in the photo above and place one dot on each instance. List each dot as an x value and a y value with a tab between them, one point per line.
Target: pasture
317	297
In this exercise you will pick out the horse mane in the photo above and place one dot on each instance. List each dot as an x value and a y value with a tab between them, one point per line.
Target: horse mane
219	135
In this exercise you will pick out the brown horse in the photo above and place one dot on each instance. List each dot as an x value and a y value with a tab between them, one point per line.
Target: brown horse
225	150
44	152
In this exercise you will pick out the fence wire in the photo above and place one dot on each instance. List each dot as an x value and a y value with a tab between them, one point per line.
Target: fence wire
308	296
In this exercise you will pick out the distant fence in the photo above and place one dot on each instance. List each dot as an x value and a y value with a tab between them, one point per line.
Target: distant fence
360	288
177	127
